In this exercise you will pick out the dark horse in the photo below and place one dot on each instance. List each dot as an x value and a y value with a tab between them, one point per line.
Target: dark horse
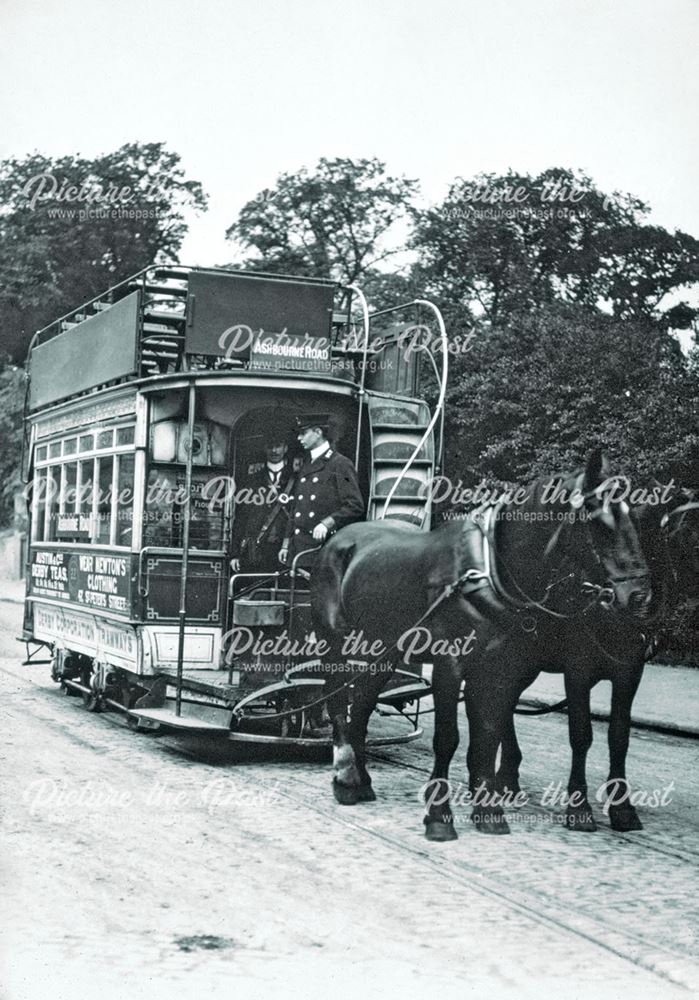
615	648
471	598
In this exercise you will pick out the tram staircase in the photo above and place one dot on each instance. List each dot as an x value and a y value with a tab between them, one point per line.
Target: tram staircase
396	428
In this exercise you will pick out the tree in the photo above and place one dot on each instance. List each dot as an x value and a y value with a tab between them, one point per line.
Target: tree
533	395
12	387
71	227
502	245
329	222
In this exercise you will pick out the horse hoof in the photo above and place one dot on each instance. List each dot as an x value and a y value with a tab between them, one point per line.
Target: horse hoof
366	794
581	820
439	831
350	795
624	819
490	821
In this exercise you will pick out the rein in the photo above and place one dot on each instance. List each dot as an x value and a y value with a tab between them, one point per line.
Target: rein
603	595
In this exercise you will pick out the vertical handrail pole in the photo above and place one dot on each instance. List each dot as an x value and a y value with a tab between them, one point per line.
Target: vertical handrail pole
185	545
365	349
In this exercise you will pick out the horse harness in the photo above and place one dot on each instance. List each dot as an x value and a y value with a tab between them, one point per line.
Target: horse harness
480	549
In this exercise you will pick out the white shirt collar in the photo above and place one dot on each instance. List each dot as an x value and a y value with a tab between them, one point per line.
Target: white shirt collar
275	466
319	450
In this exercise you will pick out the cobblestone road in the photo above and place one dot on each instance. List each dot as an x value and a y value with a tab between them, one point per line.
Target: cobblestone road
137	867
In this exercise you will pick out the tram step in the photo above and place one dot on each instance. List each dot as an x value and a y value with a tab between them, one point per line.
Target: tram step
385	426
176	272
161	316
402	460
218	720
172	290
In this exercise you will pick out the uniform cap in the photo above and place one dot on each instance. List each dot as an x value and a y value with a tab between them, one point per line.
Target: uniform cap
306	420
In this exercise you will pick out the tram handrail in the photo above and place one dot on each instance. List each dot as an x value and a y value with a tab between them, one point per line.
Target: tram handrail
292	576
362	379
439	408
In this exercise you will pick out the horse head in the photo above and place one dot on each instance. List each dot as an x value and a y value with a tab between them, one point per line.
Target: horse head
598	537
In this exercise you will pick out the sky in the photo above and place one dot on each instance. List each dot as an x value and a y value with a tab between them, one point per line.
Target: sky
247	89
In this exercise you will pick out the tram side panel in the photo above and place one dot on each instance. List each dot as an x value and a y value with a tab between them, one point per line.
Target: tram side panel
87	592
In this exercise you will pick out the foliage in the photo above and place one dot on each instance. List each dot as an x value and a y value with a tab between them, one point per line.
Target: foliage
11	428
533	395
328	222
71	227
502	245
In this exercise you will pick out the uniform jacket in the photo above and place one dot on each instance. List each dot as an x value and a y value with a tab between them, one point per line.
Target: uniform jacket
250	517
326	490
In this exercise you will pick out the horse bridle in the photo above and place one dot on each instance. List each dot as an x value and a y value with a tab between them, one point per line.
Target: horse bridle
604	595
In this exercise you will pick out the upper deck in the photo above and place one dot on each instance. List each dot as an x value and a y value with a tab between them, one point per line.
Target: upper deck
170	320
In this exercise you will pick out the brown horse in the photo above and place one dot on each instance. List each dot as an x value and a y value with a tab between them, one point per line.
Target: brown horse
616	648
471	598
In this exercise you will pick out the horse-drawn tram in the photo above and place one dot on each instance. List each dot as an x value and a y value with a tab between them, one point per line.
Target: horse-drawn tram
162	451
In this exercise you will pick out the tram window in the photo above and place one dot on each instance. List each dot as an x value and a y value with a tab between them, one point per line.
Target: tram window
206	523
125	435
53	489
69	484
39	505
85	488
104	499
124	500
165	506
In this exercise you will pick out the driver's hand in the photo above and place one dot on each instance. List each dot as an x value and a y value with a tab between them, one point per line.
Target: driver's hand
283	555
235	565
320	532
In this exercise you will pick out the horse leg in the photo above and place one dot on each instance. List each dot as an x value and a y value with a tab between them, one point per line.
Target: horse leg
622	814
507	776
446	681
579	811
351	780
487	718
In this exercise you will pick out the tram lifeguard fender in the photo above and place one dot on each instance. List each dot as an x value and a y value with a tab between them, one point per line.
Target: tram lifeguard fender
169	440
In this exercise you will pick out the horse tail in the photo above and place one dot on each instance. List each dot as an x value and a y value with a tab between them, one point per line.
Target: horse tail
326	586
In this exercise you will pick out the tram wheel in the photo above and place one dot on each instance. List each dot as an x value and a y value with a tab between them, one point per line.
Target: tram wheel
92	702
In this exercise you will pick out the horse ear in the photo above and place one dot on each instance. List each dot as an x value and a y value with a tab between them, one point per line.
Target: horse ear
596	470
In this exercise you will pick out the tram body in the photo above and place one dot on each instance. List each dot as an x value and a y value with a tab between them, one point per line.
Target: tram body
147	410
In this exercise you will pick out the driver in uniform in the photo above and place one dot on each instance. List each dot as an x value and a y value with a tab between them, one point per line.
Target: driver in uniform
327	495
